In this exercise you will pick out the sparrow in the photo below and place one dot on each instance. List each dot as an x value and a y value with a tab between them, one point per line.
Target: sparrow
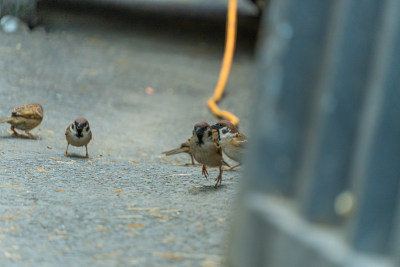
78	134
185	148
206	150
25	118
233	142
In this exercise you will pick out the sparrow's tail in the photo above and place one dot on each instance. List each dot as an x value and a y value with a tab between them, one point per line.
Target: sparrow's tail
183	149
225	163
5	120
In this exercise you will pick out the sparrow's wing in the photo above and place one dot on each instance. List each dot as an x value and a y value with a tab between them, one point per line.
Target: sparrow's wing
185	148
67	130
186	144
240	141
27	111
218	148
6	120
177	151
90	136
219	151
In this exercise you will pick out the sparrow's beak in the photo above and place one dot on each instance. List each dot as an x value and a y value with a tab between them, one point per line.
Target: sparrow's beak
200	132
79	126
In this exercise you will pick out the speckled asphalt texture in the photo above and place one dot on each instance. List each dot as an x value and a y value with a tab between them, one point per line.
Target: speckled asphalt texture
127	205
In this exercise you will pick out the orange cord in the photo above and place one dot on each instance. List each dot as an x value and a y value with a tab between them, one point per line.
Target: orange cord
226	65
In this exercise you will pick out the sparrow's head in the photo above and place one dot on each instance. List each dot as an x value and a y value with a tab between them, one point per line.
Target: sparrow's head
80	127
202	129
225	129
38	109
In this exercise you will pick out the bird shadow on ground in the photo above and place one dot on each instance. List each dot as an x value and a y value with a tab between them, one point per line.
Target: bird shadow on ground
23	137
205	189
76	156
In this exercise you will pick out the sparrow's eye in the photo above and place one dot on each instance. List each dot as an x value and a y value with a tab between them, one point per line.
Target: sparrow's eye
72	127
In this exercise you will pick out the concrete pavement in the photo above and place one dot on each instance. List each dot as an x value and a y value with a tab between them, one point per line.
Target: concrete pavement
127	204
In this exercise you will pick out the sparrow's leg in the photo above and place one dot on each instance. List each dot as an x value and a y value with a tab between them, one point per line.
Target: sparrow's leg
231	168
204	171
219	178
66	150
31	135
15	132
87	154
191	164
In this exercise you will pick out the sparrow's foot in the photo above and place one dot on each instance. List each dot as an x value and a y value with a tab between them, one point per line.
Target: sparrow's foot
219	178
66	151
204	171
32	136
15	133
219	181
232	168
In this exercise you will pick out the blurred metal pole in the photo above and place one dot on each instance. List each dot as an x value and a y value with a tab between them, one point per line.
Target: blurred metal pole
288	64
376	171
247	244
326	119
336	106
395	239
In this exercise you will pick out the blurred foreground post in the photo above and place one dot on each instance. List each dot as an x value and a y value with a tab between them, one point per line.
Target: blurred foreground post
322	180
23	9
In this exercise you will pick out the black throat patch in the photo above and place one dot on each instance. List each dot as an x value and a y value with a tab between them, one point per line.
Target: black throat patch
79	133
200	138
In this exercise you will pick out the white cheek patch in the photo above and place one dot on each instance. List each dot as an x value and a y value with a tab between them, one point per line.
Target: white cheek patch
72	129
225	133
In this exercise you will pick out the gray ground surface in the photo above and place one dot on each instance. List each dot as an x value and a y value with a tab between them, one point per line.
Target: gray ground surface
126	204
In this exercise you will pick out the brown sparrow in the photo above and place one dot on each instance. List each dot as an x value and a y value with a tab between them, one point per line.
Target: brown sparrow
78	134
25	118
185	148
206	150
233	142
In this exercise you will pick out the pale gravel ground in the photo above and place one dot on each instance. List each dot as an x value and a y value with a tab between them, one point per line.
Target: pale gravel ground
59	211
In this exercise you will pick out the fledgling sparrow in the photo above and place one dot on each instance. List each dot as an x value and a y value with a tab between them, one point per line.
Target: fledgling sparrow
185	148
78	133
25	118
206	150
233	142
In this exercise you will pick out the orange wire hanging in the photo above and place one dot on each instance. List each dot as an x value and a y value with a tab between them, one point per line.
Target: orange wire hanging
226	65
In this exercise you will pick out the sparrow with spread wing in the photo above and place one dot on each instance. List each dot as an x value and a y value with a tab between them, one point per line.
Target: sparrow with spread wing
25	118
206	150
233	142
185	148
